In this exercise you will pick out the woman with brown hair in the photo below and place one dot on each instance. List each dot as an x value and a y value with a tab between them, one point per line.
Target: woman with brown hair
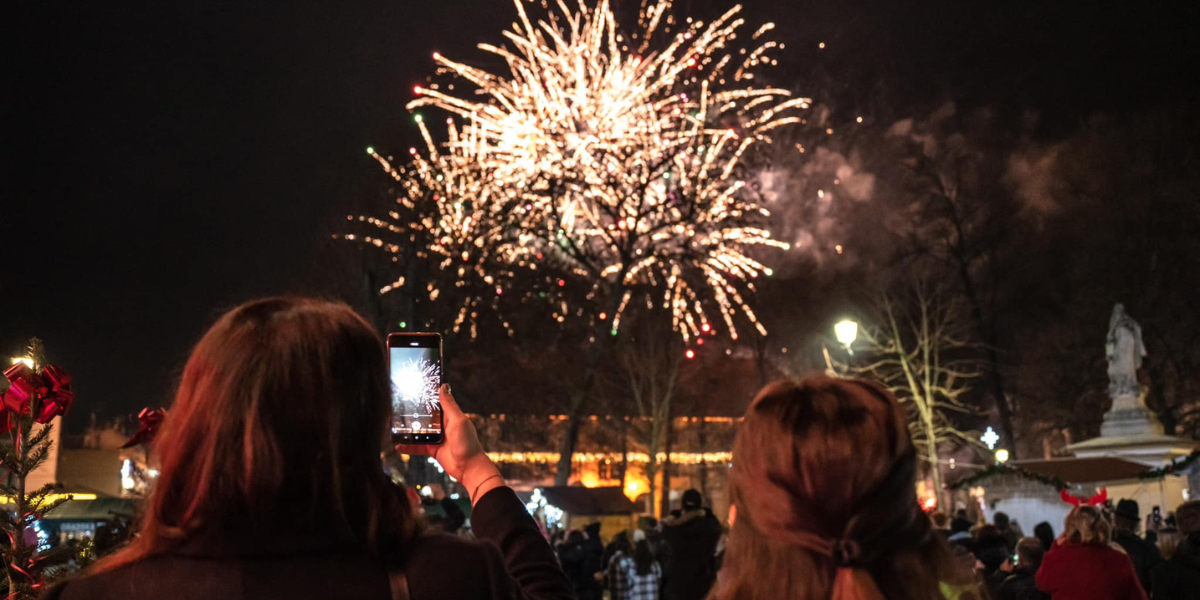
825	504
1083	565
271	484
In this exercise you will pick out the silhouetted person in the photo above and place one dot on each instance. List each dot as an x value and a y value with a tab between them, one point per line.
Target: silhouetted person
1019	583
691	538
1044	532
1144	555
1179	577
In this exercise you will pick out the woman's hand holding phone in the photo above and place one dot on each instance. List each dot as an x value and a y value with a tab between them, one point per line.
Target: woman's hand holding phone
461	454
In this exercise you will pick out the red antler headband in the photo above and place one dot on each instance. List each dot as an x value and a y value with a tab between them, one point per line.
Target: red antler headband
1100	498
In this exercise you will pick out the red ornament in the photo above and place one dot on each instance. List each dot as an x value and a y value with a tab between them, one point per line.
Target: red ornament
149	422
52	385
59	397
21	387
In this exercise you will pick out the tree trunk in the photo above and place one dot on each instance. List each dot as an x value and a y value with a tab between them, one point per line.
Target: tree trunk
702	435
602	333
624	425
666	465
931	454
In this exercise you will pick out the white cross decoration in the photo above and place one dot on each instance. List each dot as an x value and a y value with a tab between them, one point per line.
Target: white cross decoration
990	437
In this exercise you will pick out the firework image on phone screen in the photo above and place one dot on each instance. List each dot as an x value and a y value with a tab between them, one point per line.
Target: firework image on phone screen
416	373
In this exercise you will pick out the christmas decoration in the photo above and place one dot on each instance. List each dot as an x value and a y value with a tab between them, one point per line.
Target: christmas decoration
149	421
1097	499
1004	469
35	394
1175	467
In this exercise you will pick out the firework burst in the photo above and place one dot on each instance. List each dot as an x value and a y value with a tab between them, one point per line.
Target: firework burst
604	161
415	383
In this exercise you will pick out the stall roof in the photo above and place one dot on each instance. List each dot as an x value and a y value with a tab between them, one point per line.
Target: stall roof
590	501
1085	470
100	509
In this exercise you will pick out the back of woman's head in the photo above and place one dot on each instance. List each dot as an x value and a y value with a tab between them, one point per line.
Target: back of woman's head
1044	532
279	419
643	557
1086	525
823	483
1168	541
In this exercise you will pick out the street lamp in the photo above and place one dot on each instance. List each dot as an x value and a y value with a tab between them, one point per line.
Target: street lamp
846	332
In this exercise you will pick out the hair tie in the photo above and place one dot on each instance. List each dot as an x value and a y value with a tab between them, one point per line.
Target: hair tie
845	553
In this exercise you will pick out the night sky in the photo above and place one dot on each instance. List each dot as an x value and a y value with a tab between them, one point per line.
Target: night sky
164	161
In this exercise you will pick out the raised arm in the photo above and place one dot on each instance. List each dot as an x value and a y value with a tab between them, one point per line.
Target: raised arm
499	516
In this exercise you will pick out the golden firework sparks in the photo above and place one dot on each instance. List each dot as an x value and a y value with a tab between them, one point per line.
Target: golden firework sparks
603	160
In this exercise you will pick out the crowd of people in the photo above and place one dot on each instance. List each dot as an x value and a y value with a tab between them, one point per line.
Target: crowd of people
270	487
1100	554
675	558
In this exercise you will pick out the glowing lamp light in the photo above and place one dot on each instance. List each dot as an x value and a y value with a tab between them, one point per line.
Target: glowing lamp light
929	504
23	359
370	150
418	90
846	332
705	327
690	354
1002	456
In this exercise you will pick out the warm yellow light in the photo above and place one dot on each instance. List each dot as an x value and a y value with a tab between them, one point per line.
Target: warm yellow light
23	359
846	332
1002	455
52	498
634	488
590	479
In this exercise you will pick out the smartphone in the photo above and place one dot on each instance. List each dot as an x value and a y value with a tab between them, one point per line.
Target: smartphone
415	361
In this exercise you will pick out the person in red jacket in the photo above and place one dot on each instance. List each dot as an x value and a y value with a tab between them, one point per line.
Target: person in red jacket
1081	565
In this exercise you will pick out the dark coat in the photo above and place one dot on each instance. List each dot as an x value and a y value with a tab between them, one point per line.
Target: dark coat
580	561
511	560
691	560
1179	578
1144	555
1019	585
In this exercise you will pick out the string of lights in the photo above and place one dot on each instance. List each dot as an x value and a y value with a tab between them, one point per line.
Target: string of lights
679	458
604	166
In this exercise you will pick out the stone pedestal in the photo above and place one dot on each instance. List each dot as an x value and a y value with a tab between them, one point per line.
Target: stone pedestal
1124	420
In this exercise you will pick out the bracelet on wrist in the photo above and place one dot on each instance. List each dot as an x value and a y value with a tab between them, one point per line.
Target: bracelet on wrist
474	494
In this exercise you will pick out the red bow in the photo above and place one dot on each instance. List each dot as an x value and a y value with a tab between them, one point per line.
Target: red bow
1096	500
52	385
149	421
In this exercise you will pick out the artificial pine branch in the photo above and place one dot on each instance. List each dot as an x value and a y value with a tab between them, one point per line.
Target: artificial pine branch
49	395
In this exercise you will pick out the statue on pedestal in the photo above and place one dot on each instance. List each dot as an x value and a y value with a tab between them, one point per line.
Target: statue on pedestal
1125	350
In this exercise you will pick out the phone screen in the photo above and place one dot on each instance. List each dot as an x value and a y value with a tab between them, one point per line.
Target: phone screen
416	373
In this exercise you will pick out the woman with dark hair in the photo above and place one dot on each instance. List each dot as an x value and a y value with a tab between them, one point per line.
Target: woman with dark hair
1044	532
825	504
271	484
1082	564
645	574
